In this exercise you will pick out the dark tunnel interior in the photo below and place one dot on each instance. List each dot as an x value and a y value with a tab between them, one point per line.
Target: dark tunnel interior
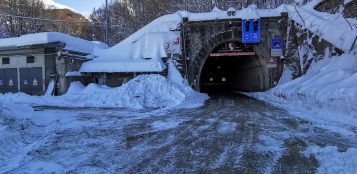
224	74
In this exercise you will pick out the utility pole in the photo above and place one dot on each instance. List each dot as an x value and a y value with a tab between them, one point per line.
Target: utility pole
106	37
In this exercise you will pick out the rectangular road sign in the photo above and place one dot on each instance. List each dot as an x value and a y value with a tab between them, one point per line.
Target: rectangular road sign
277	47
277	43
251	31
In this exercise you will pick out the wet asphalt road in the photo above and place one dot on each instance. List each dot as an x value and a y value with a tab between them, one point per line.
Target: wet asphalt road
229	134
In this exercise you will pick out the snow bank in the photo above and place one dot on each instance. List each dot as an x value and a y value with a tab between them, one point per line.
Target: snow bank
145	91
72	43
332	160
329	87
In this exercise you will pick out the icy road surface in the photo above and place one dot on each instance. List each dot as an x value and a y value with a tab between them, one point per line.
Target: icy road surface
233	134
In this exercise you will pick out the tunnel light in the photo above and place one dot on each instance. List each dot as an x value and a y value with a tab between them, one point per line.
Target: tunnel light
247	23
224	79
211	79
255	25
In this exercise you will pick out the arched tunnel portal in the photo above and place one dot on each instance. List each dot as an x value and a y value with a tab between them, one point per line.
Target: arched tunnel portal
229	65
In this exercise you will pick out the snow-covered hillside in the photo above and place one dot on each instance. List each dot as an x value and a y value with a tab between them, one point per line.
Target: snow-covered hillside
54	5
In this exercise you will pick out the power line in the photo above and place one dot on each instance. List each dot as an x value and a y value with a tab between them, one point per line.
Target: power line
50	20
106	23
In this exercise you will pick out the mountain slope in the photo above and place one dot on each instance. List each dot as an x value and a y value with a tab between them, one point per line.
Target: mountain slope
54	5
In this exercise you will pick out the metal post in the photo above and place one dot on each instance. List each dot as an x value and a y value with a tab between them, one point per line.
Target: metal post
186	9
106	37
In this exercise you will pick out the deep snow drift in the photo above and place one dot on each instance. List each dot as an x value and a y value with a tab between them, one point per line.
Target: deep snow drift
329	87
145	91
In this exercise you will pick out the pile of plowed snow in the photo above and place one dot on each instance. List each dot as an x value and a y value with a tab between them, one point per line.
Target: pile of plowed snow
330	85
145	91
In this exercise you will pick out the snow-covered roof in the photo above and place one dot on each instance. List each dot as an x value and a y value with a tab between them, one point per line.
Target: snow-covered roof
72	43
143	55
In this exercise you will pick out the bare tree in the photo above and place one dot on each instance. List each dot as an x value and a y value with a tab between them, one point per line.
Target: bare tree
12	20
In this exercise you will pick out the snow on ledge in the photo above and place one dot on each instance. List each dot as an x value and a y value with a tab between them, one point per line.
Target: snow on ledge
124	66
73	74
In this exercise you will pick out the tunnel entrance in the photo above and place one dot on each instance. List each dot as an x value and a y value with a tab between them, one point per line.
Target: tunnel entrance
233	66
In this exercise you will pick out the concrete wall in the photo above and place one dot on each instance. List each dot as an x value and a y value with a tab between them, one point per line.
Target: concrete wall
18	62
251	75
117	79
64	65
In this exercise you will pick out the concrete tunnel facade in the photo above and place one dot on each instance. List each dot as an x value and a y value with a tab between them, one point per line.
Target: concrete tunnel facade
247	73
244	73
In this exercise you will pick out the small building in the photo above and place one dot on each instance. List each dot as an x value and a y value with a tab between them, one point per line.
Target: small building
30	62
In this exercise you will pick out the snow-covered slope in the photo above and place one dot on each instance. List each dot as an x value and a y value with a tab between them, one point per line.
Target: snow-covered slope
54	5
144	55
143	49
330	85
331	27
329	88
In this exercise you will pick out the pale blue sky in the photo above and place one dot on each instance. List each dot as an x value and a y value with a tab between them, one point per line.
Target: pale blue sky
84	6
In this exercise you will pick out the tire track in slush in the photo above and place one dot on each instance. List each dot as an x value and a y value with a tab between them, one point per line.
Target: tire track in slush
229	134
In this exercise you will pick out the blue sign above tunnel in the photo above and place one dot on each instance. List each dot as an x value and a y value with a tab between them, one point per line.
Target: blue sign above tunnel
250	30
